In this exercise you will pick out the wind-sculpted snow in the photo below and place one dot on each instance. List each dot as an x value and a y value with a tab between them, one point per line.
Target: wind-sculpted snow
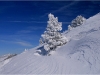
81	55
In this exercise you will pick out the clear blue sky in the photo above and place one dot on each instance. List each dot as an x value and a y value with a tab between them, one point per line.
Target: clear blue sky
22	23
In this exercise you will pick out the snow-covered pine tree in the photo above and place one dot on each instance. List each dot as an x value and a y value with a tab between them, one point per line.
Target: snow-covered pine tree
52	36
41	41
79	20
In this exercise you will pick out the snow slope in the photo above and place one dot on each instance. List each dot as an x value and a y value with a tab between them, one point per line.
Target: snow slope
5	59
81	55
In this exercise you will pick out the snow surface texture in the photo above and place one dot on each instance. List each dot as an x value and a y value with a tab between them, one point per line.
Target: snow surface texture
81	55
5	59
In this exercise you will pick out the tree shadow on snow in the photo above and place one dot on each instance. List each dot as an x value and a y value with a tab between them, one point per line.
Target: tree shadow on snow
41	51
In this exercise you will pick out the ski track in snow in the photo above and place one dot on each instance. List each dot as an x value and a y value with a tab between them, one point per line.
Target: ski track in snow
45	66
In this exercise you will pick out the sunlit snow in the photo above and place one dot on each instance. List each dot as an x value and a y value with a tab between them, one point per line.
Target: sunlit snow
81	55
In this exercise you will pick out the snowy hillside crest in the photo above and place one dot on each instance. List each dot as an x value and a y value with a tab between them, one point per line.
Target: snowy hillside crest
79	55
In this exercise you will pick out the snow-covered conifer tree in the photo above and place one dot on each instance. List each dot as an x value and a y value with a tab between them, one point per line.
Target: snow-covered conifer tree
52	36
41	41
79	20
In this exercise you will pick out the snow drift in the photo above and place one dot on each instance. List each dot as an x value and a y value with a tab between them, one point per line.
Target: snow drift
81	55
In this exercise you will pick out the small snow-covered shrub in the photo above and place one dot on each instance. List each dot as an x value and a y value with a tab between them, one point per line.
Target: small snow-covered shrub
79	20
